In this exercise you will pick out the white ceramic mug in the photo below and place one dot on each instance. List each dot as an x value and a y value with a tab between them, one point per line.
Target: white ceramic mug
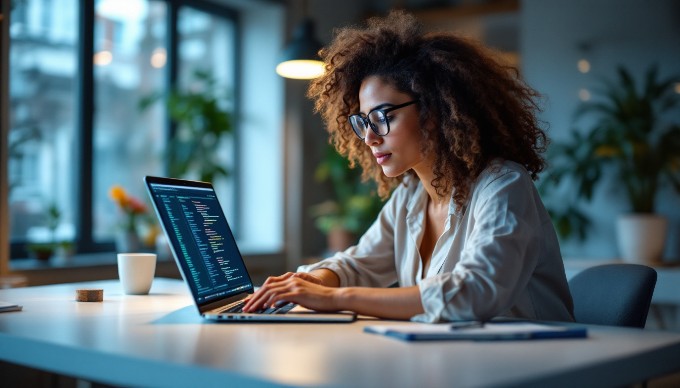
136	271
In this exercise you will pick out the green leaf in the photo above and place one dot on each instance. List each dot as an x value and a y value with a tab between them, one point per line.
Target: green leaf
202	122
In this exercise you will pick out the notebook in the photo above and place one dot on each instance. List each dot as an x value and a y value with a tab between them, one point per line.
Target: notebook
477	331
208	258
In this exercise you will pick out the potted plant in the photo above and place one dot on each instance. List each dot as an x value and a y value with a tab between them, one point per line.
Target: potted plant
203	120
66	249
42	251
354	206
630	140
45	250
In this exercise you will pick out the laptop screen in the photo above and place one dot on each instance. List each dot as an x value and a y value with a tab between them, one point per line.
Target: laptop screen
200	238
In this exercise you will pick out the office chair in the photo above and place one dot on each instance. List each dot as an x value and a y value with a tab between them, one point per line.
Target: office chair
613	294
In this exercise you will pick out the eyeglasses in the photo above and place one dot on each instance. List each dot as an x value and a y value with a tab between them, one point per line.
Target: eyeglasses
376	119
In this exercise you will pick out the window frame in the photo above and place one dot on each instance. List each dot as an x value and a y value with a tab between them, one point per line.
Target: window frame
84	121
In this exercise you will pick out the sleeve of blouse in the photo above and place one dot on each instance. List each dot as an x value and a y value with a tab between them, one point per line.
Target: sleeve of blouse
371	262
497	259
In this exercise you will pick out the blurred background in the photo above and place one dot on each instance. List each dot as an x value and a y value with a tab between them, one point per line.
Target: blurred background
101	93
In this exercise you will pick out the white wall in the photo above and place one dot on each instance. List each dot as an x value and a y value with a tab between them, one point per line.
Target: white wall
262	107
633	33
262	136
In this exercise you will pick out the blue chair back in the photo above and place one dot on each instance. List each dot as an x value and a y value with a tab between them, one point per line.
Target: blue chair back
613	294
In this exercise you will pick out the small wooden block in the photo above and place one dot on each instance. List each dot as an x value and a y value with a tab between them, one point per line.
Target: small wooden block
90	295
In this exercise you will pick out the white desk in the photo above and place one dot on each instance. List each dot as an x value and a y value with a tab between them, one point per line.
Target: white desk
158	340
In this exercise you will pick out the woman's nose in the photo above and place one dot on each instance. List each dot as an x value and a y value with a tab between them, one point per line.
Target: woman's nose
371	137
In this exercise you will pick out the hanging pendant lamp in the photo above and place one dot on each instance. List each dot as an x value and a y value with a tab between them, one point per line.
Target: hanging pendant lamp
300	58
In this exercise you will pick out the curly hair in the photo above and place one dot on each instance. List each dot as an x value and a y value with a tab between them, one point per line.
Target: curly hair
480	108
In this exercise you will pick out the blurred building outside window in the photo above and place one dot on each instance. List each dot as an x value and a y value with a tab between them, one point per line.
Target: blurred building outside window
130	61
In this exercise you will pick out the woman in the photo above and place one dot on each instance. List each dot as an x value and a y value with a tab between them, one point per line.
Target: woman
464	235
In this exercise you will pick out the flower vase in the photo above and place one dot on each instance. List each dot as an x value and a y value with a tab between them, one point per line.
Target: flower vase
641	238
128	242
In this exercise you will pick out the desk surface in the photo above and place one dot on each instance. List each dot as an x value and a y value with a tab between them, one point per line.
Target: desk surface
159	340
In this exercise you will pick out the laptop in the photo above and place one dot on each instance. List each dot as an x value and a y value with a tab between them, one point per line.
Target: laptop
208	258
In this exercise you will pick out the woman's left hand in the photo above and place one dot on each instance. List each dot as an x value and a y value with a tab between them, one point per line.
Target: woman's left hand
301	288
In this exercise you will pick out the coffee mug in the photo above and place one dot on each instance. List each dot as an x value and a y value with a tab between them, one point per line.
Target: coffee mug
136	271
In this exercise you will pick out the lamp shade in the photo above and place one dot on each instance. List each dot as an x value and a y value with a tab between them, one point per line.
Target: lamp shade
300	59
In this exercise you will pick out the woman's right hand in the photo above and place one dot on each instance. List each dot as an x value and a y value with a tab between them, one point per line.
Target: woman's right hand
304	289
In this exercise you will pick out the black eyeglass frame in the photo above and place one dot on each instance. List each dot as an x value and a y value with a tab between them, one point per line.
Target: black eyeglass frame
365	120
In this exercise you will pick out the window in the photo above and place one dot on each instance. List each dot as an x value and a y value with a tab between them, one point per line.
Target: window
129	63
42	137
206	44
69	143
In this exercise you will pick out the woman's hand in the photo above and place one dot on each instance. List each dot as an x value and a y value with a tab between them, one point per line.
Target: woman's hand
301	288
318	291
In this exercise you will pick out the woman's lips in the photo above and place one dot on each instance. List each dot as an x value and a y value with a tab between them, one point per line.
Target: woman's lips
381	158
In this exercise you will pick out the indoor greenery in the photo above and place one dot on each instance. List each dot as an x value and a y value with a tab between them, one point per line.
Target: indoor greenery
629	138
355	204
45	250
203	121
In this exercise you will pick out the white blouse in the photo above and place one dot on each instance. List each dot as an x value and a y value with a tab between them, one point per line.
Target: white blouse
498	256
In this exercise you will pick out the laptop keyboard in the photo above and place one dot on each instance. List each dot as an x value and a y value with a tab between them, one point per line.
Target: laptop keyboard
238	308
